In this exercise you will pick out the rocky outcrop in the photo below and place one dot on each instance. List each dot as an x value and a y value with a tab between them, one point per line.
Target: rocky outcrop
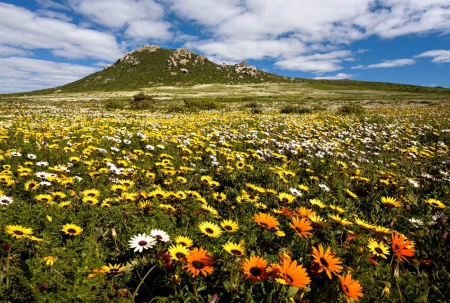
129	58
244	69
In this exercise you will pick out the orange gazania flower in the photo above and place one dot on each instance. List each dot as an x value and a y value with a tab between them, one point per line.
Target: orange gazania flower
199	261
401	246
255	268
304	212
301	226
266	221
326	261
292	274
350	287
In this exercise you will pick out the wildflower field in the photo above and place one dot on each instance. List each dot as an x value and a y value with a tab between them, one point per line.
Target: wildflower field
224	205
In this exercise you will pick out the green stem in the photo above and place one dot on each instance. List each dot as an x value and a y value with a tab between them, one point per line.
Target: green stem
7	263
140	283
399	291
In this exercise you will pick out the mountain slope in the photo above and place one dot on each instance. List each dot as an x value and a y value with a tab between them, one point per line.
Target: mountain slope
150	66
153	66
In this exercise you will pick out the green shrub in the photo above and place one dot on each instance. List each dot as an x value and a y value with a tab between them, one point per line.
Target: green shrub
351	109
142	101
291	109
196	105
113	105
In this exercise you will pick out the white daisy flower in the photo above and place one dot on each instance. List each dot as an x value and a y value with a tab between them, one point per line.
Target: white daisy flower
141	242
42	175
42	163
295	192
16	154
31	156
5	200
160	235
415	222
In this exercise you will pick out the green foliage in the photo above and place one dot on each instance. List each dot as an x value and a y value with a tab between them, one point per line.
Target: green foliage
114	105
142	101
197	105
351	109
292	109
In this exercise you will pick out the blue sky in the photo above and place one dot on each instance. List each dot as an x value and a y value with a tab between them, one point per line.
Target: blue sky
47	43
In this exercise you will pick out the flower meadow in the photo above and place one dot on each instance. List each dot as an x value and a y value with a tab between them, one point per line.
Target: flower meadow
224	206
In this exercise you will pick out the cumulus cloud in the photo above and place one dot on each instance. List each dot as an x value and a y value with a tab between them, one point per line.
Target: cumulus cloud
25	74
12	51
439	55
24	29
386	64
339	76
316	63
142	19
312	23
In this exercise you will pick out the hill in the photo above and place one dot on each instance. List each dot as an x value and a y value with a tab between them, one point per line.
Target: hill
152	66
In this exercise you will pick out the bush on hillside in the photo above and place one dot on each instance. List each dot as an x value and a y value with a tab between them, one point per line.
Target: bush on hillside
351	109
291	109
142	101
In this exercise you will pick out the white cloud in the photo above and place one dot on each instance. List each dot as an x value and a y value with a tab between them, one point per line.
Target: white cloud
10	51
237	50
148	29
386	64
141	19
53	15
339	76
25	74
315	23
22	28
439	55
51	4
316	63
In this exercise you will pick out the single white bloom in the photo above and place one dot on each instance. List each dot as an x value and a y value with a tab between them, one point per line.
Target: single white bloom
141	242
160	235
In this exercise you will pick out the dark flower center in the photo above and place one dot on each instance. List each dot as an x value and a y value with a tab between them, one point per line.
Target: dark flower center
71	231
345	288
159	237
289	278
209	230
298	229
378	250
18	232
263	224
182	243
142	243
198	264
180	255
255	271
236	252
228	227
324	262
114	270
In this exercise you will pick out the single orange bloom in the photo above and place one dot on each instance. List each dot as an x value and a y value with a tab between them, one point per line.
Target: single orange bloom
294	275
350	287
326	261
255	268
286	211
199	261
301	226
304	212
401	246
266	221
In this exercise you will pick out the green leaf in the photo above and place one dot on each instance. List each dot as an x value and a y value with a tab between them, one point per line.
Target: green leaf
292	291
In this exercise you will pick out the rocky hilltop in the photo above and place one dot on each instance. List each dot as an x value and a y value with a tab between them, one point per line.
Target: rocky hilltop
151	65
